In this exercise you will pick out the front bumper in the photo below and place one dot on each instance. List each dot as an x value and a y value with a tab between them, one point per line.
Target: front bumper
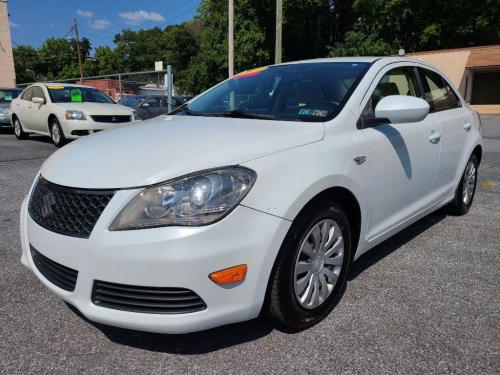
164	257
74	129
5	121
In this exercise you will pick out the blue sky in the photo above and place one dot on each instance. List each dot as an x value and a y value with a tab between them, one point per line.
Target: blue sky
33	21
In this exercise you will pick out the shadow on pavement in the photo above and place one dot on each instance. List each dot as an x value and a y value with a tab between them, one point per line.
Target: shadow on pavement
392	244
192	343
239	333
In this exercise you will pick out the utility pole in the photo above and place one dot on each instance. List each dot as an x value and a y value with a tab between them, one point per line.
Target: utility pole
279	25
75	27
230	39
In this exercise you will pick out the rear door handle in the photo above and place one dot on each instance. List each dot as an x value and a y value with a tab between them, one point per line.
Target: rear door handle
467	126
434	137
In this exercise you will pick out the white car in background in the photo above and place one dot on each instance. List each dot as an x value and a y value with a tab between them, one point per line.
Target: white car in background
64	111
256	196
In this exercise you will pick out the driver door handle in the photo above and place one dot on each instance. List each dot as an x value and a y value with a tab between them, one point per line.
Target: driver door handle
467	126
434	137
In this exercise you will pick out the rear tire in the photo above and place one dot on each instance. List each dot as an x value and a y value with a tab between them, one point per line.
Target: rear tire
56	133
315	255
18	129
466	189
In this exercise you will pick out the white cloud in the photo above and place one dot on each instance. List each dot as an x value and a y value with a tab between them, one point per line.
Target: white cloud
100	24
51	24
13	24
85	13
135	18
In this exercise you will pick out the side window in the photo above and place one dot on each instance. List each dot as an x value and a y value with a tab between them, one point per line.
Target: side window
398	81
438	93
27	94
38	92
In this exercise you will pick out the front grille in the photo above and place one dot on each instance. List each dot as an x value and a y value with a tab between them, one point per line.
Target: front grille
69	211
62	276
145	299
112	119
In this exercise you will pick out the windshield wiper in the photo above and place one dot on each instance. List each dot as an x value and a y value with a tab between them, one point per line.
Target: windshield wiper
238	113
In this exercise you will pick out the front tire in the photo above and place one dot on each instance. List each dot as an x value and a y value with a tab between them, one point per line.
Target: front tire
18	129
56	133
466	189
310	274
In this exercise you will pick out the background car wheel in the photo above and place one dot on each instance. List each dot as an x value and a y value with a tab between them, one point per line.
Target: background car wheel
310	274
466	189
18	130
57	134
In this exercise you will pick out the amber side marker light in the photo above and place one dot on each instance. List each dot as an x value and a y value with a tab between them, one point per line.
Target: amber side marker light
229	275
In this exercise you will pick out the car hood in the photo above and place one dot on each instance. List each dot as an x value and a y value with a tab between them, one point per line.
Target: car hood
96	108
171	146
5	105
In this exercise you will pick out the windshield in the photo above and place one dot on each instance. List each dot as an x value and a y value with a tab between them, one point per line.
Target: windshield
297	92
131	100
77	94
6	95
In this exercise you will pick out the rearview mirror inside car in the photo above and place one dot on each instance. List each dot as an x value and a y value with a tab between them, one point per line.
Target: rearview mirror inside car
402	109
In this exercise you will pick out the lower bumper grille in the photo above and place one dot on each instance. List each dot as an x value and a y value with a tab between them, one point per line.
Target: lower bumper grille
145	299
59	275
111	118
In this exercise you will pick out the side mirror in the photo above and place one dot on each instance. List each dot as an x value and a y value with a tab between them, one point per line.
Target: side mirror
401	109
38	100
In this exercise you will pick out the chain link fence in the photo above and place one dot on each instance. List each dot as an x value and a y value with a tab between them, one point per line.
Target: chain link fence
147	92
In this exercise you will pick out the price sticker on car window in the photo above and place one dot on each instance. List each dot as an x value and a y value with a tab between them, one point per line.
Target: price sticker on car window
76	96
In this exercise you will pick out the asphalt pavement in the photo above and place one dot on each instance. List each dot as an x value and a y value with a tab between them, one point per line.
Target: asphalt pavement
425	301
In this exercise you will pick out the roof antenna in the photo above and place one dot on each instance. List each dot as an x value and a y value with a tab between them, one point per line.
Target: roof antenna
401	52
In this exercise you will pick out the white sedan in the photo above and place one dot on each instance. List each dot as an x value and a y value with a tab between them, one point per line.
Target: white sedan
65	112
256	196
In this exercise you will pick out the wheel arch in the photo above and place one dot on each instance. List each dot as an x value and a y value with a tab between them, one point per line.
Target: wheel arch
51	118
349	203
478	151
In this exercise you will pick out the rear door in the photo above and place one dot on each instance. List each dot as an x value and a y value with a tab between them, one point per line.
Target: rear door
23	107
403	157
456	122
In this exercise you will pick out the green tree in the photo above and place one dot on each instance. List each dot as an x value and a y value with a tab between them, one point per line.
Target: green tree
26	64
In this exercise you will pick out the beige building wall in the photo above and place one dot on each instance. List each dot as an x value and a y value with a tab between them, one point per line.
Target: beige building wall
7	72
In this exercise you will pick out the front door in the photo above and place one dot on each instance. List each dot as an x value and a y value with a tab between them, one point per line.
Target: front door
403	157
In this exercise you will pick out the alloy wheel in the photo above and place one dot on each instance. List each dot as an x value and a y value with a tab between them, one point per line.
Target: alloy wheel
17	128
318	264
56	135
469	184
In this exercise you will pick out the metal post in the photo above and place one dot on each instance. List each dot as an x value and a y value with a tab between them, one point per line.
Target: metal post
279	24
230	39
170	83
120	85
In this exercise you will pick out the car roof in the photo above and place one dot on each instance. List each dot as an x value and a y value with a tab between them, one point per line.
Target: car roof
62	84
354	59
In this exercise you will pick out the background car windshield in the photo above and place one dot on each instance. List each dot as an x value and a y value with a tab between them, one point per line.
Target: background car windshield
72	94
132	100
298	92
6	96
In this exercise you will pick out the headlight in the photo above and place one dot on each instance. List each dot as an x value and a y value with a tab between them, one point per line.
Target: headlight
195	200
74	115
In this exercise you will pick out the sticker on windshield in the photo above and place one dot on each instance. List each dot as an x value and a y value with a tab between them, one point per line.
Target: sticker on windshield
250	73
76	96
55	87
312	112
